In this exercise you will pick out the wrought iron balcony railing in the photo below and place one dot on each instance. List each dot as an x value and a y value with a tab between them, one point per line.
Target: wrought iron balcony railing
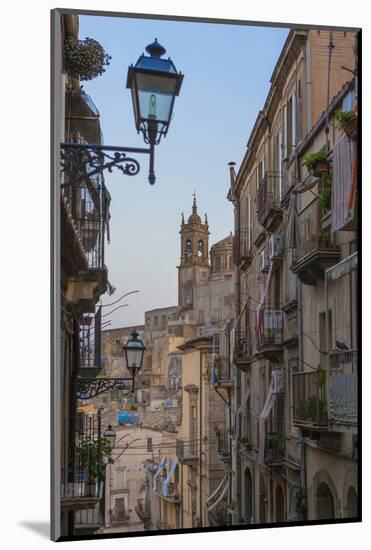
269	327
310	399
316	249
172	492
223	446
242	248
88	207
223	372
84	478
274	447
268	202
343	387
90	519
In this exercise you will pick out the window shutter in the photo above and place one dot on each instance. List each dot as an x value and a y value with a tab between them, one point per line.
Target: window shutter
293	118
284	131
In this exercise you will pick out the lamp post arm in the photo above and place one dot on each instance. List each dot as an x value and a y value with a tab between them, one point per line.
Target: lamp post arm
84	160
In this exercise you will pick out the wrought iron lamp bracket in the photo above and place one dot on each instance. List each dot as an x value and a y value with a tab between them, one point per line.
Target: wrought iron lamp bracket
86	388
85	160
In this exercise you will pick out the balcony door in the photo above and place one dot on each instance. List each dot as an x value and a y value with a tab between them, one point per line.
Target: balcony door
248	497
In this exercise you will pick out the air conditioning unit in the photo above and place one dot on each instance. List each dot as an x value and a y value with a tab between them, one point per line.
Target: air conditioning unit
277	381
275	246
263	261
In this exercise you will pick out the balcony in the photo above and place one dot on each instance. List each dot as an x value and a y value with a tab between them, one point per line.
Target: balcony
343	390
88	208
187	453
269	212
223	446
82	482
274	450
89	521
316	250
269	332
223	373
242	253
173	494
310	400
84	222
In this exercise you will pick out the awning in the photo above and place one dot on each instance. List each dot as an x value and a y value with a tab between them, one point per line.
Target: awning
158	472
165	485
82	116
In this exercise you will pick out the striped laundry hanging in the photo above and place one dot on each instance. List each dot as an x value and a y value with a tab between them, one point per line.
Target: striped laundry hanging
344	176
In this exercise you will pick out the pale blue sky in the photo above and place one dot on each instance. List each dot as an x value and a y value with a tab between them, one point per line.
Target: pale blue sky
226	70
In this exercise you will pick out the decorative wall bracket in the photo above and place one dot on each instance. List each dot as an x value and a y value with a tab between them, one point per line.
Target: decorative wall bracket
84	160
86	388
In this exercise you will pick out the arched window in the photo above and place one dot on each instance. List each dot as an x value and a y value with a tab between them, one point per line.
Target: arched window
280	504
188	248
248	497
352	503
262	501
325	502
200	249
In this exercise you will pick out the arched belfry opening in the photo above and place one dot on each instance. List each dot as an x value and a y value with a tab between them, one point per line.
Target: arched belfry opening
194	267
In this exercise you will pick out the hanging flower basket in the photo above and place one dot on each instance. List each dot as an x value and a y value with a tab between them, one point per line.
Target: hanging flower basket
320	168
317	163
84	59
351	129
347	121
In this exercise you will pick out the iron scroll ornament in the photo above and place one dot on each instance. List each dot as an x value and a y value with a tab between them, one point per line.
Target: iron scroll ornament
83	160
86	388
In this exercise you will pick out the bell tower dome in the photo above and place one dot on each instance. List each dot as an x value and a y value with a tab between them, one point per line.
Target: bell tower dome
194	265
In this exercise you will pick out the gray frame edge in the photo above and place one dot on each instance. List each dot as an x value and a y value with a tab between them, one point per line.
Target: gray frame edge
55	105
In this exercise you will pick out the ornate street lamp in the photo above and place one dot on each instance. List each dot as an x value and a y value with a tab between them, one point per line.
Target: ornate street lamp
110	436
134	351
154	84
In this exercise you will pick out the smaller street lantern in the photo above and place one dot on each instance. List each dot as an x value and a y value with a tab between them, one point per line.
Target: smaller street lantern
110	436
154	84
134	351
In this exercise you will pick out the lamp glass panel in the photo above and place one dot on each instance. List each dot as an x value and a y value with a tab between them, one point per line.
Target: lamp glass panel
155	95
134	357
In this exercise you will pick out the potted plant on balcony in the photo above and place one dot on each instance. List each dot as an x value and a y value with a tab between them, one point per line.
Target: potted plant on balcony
89	457
317	163
84	59
347	121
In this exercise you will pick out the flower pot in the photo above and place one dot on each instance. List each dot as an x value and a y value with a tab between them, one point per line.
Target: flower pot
351	129
320	167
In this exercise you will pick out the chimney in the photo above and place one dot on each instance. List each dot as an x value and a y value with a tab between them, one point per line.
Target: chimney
232	172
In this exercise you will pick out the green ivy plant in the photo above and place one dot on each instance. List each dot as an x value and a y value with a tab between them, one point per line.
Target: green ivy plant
325	196
84	59
343	117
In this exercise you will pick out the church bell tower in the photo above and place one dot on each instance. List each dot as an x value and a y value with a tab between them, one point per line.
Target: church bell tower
194	265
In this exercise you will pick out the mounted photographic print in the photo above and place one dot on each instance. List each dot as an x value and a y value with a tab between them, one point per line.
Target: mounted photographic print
205	215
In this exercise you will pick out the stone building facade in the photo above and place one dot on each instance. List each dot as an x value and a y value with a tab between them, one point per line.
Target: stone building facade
188	471
295	338
83	212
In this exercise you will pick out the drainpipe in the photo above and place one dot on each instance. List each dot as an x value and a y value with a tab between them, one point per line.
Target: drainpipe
309	85
303	480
